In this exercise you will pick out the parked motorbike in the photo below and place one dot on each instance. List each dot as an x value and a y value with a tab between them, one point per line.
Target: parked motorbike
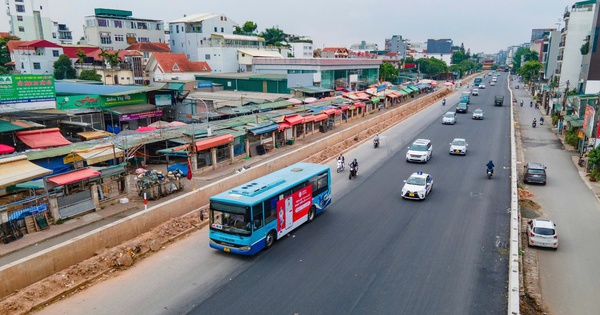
375	143
489	172
352	172
340	166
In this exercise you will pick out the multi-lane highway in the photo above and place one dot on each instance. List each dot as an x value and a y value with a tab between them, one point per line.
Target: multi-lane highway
371	253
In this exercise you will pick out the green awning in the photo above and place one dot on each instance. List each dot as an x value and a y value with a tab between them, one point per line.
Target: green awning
375	100
414	88
402	92
576	123
407	91
571	117
6	126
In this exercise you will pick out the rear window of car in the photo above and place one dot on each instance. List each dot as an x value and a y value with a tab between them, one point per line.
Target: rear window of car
535	171
543	231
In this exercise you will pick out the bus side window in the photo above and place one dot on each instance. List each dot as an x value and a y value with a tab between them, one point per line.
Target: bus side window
271	210
258	216
313	183
322	184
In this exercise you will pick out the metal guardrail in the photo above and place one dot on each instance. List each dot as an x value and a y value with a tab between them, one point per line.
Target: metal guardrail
513	264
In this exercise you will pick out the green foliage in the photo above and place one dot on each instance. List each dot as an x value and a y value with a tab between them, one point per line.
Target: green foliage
112	58
530	70
457	68
4	54
247	29
494	67
571	138
523	53
90	75
594	157
63	68
585	48
273	35
387	72
80	56
554	119
432	67
457	57
4	70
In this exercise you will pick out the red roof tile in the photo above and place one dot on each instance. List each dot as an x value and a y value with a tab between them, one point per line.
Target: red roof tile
71	51
170	62
122	53
150	47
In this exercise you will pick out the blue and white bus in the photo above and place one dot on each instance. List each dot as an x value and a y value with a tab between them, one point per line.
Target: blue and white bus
250	217
477	81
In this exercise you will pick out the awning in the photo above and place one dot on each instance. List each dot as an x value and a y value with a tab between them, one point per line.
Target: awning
213	142
18	169
309	118
329	111
132	109
407	91
43	138
6	126
401	92
72	177
576	123
338	111
284	125
345	107
91	135
264	129
320	117
180	151
95	154
6	149
359	104
294	120
375	100
414	88
392	95
362	96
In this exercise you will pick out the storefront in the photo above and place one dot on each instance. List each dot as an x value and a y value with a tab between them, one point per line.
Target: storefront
74	191
261	139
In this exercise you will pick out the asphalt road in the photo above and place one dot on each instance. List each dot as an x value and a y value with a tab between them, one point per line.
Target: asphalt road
569	276
371	252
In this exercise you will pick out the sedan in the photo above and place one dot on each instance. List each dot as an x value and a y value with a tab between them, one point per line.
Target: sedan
541	232
478	114
449	118
417	186
458	146
482	86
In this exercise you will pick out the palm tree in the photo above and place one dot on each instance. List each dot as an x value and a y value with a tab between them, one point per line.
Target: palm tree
80	56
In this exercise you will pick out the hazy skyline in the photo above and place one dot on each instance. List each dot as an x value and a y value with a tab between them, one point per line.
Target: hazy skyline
483	26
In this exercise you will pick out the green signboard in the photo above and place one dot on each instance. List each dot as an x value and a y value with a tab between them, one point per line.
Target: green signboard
21	88
127	99
77	101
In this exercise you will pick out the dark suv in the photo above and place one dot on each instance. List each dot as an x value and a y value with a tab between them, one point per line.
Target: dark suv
534	173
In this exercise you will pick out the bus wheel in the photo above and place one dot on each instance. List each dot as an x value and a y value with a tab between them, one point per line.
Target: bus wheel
311	214
270	239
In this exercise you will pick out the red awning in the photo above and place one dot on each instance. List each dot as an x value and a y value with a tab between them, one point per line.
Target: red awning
338	111
213	142
294	120
360	105
43	138
345	107
284	125
363	96
392	95
329	111
6	149
72	177
397	93
309	118
320	117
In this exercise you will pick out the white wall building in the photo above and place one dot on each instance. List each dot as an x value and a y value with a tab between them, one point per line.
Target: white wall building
578	28
447	58
28	21
117	29
302	50
34	57
190	33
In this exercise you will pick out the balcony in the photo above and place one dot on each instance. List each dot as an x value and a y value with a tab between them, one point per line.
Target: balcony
561	44
91	66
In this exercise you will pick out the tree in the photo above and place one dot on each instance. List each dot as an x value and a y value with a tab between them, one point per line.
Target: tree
457	68
525	54
432	66
4	54
462	48
585	48
112	58
90	75
457	57
80	56
530	70
63	68
317	53
247	29
273	35
387	72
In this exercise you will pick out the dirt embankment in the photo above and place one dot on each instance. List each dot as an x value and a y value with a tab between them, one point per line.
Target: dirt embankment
108	261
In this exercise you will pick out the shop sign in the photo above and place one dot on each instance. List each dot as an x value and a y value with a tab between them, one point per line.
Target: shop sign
77	101
163	100
29	91
148	114
588	120
127	99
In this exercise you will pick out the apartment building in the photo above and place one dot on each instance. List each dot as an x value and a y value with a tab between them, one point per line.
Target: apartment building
118	29
34	57
28	20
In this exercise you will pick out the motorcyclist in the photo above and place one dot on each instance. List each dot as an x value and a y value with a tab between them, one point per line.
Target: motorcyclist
521	103
443	102
541	120
376	139
530	103
490	166
341	159
354	164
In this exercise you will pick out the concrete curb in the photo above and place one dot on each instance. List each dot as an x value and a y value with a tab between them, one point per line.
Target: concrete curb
513	267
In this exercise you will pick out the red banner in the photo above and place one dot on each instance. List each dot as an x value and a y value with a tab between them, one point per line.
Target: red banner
293	208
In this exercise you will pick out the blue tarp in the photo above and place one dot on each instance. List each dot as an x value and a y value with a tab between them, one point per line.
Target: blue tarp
56	164
27	212
264	129
180	166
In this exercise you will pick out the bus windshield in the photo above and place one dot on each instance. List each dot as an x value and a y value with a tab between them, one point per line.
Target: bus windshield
230	219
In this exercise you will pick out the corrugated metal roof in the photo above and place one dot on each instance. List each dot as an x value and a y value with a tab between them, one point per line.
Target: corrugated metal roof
80	88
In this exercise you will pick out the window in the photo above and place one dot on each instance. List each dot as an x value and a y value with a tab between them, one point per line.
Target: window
177	28
319	183
146	54
21	29
142	25
102	23
173	41
216	29
143	40
55	53
118	24
37	66
20	8
207	57
222	30
20	18
119	38
257	218
105	40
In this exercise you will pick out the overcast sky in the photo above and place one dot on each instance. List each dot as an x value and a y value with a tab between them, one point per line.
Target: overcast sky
482	25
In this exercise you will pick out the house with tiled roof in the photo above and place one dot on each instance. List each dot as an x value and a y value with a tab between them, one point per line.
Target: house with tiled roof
335	52
128	70
146	50
172	66
34	56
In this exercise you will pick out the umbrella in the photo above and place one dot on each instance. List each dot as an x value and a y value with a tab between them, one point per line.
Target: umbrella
448	84
159	124
145	129
6	149
177	124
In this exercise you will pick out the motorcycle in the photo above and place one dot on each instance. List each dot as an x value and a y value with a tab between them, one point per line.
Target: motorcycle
490	172
521	103
352	172
533	124
443	102
541	122
340	166
375	143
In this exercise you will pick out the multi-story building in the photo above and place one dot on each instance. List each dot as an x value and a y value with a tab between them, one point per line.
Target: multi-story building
28	21
364	46
577	31
590	67
117	29
191	33
335	52
439	46
540	33
551	58
34	57
396	44
302	49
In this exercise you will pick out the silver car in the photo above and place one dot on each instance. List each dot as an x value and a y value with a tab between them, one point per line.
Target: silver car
458	146
449	118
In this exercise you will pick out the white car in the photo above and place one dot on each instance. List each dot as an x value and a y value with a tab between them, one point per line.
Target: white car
478	114
542	232
417	186
449	118
482	86
458	146
420	151
492	83
475	92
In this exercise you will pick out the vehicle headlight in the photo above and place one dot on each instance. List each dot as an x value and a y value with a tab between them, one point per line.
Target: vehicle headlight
245	248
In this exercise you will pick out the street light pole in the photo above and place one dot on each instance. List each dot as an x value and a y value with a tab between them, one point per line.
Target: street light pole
208	132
